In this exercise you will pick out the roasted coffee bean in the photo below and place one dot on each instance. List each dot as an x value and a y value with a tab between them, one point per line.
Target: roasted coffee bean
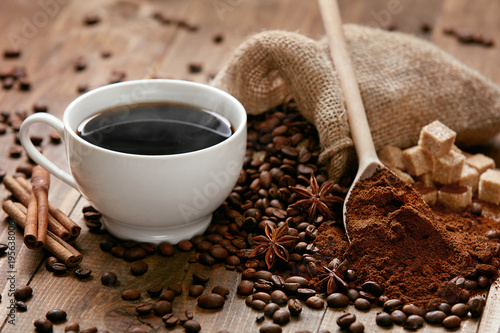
206	259
460	309
493	234
305	293
91	329
161	308
352	294
211	301
476	208
91	19
435	317
204	246
262	274
166	249
138	268
452	322
337	300
200	279
49	262
298	279
291	288
218	252
167	295
362	304
144	309
221	290
59	268
411	309
83	273
476	306
176	288
373	288
392	304
263	285
281	317
371	298
56	315
196	290
170	320
345	320
245	287
258	305
445	307
233	261
279	297
260	318
263	296
23	293
15	151
315	302
383	319
134	254
294	307
483	281
192	326
270	309
131	294
150	248
72	327
398	317
155	290
356	327
21	306
43	325
117	251
270	328
109	278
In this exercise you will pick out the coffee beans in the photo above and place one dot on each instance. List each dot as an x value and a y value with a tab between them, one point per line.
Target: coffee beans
43	325
134	254
72	327
196	290
337	300
279	297
281	317
245	287
109	278
270	328
476	306
270	309
373	288
83	273
460	309
56	315
345	320
223	291
362	304
383	319
192	326
315	302
161	308
144	309
139	268
435	317
294	307
131	294
23	293
211	301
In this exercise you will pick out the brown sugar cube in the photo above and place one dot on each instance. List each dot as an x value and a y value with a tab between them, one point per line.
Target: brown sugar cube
469	177
480	162
428	193
455	197
448	168
437	138
403	175
417	160
392	156
426	179
489	186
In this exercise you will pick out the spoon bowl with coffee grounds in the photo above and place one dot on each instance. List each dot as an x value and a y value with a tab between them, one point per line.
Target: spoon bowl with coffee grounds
368	160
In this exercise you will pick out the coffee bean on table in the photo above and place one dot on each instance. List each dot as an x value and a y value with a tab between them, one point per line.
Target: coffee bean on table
460	309
167	295
211	301
72	327
135	254
161	308
398	317
192	326
373	288
305	293
315	302
223	291
56	315
118	251
294	307
411	309
23	293
345	320
270	309
196	290
144	309
59	268
258	305
109	278
260	318
155	291
383	319
337	300
185	246
452	322
176	288
138	268
49	262
392	304
245	287
170	320
21	306
43	325
270	328
362	304
356	327
200	279
83	273
281	317
206	259
476	306
91	329
435	317
131	294
279	297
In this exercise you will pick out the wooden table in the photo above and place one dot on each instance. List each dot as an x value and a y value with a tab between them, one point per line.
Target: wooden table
52	36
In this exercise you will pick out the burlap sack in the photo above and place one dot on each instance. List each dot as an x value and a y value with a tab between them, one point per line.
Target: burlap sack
405	83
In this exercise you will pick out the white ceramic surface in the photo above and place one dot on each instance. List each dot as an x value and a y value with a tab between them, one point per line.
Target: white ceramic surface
143	197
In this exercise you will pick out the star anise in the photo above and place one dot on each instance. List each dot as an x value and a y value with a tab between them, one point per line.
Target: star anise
273	244
334	275
316	199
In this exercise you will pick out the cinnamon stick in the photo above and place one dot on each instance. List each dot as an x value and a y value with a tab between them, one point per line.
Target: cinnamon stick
21	189
40	180
55	245
31	229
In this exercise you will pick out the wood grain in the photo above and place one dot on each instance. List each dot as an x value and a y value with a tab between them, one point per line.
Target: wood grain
142	47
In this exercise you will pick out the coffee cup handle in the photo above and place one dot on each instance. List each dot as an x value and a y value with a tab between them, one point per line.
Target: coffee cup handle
34	154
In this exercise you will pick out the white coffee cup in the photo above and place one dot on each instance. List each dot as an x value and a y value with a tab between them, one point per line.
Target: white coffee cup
148	198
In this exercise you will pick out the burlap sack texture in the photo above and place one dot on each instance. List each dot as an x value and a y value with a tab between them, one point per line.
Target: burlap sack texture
405	84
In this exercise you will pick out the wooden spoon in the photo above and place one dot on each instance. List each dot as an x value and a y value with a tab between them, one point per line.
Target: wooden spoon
368	160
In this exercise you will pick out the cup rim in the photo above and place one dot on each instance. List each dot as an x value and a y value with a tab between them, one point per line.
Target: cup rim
89	94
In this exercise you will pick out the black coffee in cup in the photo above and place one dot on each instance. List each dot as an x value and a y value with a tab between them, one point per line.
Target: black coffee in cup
160	128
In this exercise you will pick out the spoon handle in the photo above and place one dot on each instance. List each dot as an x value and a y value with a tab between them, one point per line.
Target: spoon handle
358	123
